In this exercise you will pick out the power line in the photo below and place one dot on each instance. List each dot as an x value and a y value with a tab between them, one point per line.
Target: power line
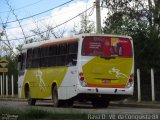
16	18
27	23
39	13
6	35
43	19
23	6
55	26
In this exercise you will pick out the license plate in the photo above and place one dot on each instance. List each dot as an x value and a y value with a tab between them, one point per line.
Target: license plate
106	81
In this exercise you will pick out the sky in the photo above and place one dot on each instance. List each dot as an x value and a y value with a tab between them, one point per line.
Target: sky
25	8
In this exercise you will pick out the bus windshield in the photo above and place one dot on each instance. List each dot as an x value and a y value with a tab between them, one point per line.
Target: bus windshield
106	46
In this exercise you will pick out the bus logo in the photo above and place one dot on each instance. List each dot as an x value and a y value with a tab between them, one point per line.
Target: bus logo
117	73
41	81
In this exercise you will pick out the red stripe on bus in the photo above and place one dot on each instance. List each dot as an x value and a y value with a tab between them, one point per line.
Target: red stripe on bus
59	42
106	86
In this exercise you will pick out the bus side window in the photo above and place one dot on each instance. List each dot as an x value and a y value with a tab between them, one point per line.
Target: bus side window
29	58
73	47
52	59
63	49
35	58
44	57
52	50
22	62
72	54
61	58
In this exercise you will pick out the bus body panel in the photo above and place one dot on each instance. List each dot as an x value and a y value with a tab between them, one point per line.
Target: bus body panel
40	80
68	87
101	72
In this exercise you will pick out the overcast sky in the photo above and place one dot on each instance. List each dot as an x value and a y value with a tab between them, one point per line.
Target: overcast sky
25	8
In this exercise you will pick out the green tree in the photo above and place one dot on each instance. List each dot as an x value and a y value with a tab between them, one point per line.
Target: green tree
141	20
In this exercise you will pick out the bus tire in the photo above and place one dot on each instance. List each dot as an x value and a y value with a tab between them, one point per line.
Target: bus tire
55	96
30	100
100	103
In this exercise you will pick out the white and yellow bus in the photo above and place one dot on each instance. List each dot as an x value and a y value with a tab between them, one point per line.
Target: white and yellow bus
91	67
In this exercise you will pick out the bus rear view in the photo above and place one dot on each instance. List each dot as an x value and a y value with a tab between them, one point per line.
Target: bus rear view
107	68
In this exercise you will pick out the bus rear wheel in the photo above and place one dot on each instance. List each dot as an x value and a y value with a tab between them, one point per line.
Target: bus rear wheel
30	100
55	96
100	103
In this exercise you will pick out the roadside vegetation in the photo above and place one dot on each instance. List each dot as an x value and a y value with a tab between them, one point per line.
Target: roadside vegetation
38	114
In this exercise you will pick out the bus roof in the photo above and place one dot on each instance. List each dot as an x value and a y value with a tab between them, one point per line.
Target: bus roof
63	40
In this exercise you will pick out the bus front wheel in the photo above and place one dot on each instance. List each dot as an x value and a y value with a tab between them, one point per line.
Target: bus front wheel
30	100
55	96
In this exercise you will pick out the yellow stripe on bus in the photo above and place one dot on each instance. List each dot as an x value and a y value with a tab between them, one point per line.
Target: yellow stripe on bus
40	80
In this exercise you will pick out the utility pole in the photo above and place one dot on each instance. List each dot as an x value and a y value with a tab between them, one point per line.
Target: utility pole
98	17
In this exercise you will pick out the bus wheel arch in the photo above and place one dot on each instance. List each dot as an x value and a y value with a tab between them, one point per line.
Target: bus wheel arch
30	100
54	92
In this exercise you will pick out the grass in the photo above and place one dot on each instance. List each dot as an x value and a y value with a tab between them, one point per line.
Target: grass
38	114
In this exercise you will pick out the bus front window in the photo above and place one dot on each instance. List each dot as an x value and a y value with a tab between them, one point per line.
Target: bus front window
106	46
